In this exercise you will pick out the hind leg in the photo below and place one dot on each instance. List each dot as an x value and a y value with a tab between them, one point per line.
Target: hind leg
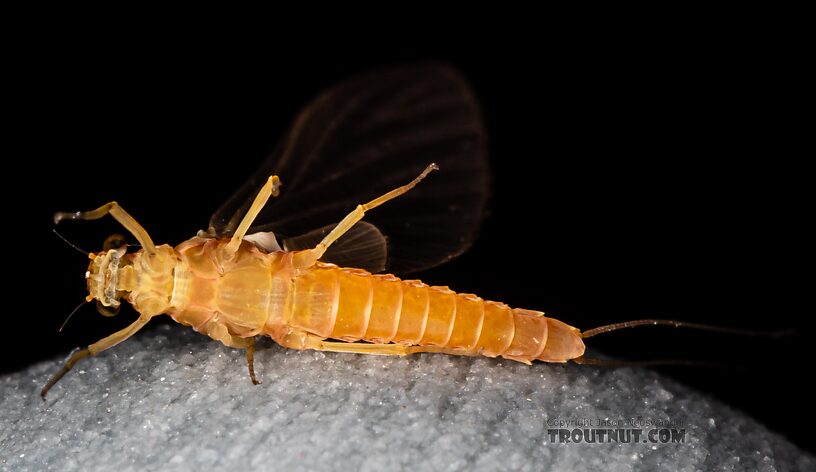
302	340
307	258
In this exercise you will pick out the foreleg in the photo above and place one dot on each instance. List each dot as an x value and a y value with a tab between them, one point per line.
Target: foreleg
94	349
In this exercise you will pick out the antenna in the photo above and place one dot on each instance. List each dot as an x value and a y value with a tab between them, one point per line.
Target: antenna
72	314
69	242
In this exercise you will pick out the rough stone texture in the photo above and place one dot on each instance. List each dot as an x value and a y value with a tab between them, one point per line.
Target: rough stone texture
170	399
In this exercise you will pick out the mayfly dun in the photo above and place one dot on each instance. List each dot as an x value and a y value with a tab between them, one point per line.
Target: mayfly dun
289	255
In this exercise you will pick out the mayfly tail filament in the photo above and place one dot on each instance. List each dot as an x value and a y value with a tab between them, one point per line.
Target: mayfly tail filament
618	363
668	362
682	324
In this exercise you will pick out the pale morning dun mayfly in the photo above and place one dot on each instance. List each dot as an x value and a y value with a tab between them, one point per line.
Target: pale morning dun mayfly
283	267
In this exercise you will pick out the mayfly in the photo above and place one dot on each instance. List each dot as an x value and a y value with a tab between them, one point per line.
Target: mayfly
286	268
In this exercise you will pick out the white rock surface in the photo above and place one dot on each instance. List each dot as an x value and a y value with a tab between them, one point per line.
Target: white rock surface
171	399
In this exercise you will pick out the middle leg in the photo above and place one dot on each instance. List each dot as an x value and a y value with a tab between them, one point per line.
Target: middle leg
248	344
270	189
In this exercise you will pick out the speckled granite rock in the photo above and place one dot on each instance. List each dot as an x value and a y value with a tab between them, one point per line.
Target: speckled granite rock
170	399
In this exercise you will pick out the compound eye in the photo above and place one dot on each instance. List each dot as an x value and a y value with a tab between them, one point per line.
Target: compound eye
114	241
107	311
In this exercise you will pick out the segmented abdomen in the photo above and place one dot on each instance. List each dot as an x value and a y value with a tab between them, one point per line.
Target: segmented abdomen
353	305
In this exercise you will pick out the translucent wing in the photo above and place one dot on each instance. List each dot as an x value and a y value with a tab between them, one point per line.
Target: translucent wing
362	138
363	246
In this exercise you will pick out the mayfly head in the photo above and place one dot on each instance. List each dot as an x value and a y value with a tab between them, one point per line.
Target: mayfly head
109	276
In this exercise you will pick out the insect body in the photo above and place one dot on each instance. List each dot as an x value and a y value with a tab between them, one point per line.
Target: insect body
238	279
232	298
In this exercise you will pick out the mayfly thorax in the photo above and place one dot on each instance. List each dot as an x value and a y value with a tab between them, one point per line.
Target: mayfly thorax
304	268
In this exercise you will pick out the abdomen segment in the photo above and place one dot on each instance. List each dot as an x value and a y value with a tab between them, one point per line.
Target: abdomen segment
353	305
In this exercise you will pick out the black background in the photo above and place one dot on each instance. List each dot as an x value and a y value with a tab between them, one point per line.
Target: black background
636	175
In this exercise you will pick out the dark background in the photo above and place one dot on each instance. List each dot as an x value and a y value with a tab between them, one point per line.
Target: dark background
636	176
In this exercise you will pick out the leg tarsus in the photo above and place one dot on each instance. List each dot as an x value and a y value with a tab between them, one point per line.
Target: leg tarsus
270	188
247	344
94	349
75	357
250	355
119	214
369	348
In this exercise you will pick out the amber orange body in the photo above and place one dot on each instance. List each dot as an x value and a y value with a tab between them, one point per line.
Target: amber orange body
256	293
233	282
